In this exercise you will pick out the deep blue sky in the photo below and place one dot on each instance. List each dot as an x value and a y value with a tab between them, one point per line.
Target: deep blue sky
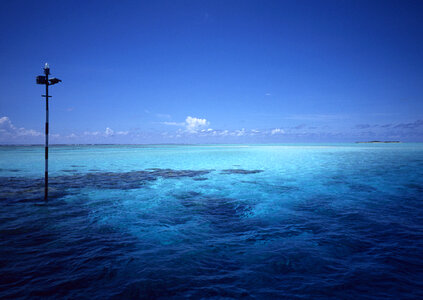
244	71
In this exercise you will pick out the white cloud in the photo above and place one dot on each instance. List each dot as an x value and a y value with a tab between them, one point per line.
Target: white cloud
193	124
277	131
122	132
239	132
5	124
174	123
106	133
28	132
109	131
91	132
8	129
224	132
220	133
254	132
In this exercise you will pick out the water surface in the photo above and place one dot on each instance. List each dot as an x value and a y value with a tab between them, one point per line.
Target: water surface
235	221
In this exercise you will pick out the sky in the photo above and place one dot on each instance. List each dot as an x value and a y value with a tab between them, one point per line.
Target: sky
143	72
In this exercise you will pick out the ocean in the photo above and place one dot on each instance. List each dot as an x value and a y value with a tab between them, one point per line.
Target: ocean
294	221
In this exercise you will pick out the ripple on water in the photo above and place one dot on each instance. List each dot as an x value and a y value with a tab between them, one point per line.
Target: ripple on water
320	224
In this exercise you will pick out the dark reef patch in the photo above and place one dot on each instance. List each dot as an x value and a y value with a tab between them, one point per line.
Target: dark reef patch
200	178
25	188
169	173
10	170
240	171
249	181
285	188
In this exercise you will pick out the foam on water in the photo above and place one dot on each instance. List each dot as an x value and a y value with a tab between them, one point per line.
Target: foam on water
258	221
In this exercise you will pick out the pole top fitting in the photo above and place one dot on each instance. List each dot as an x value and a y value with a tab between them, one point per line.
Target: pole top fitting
46	69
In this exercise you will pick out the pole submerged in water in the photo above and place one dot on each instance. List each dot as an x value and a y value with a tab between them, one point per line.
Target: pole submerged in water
46	72
45	80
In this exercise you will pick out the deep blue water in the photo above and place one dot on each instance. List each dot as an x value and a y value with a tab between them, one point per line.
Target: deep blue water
254	222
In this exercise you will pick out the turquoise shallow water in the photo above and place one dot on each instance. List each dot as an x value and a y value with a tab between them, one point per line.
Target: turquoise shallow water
253	221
